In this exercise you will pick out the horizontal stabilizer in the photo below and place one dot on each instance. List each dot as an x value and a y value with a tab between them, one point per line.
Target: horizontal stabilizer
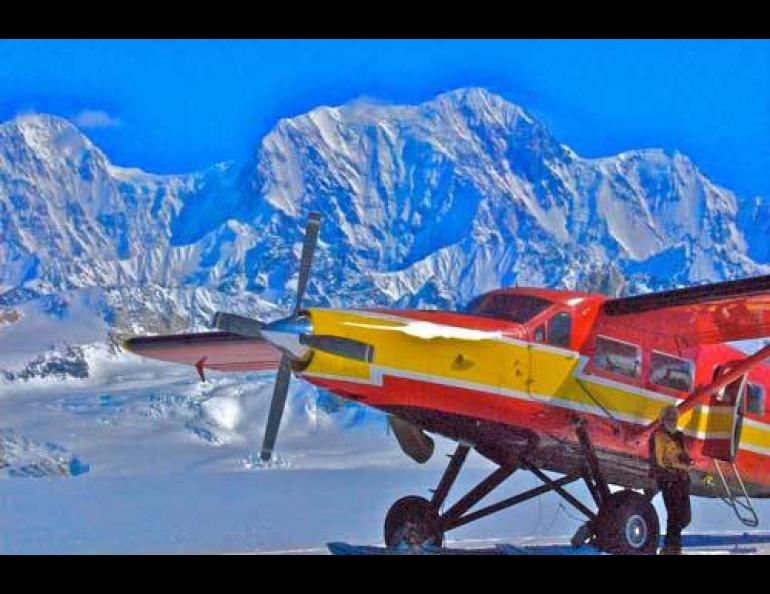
220	351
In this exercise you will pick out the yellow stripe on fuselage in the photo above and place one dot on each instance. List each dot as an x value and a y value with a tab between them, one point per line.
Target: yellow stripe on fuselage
496	364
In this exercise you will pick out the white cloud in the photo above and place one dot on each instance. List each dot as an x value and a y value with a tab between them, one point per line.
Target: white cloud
94	118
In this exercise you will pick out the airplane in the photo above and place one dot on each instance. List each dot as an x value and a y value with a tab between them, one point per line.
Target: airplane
546	381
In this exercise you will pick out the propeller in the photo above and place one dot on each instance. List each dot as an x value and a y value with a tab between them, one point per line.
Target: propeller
305	261
294	337
283	334
238	324
277	404
342	347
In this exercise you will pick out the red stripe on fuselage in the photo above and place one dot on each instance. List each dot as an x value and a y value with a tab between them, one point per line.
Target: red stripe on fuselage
486	406
538	417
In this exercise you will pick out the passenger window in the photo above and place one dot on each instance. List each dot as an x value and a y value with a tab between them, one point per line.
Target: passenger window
540	333
559	329
671	372
756	399
617	357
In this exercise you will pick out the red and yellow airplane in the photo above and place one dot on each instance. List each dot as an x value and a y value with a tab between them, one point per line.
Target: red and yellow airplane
542	380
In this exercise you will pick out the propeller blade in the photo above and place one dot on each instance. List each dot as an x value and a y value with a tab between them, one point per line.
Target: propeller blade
336	345
308	248
277	404
236	324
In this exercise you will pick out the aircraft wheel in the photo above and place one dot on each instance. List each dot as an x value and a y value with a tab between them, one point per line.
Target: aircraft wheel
627	524
413	519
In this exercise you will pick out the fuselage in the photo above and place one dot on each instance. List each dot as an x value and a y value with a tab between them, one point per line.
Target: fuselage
512	374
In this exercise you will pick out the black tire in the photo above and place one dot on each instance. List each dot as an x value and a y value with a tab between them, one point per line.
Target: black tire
627	524
418	511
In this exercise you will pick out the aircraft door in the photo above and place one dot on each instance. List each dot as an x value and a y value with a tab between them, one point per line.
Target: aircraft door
724	422
552	364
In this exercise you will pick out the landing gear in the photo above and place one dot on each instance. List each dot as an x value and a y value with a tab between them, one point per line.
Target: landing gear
413	521
626	522
413	518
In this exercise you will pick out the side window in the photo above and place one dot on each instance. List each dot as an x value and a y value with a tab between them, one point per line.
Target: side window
617	357
671	372
756	399
559	329
540	333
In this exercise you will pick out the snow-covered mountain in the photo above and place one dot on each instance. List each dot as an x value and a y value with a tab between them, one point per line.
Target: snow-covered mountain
70	221
422	205
438	202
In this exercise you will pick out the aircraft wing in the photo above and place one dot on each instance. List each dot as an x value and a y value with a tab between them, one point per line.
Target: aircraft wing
707	314
220	351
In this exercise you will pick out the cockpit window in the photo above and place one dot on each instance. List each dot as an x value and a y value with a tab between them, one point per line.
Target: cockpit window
560	329
513	308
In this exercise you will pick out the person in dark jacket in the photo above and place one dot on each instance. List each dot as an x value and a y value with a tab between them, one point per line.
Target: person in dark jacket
671	466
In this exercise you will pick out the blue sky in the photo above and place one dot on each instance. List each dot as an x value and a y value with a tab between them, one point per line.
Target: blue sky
180	105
